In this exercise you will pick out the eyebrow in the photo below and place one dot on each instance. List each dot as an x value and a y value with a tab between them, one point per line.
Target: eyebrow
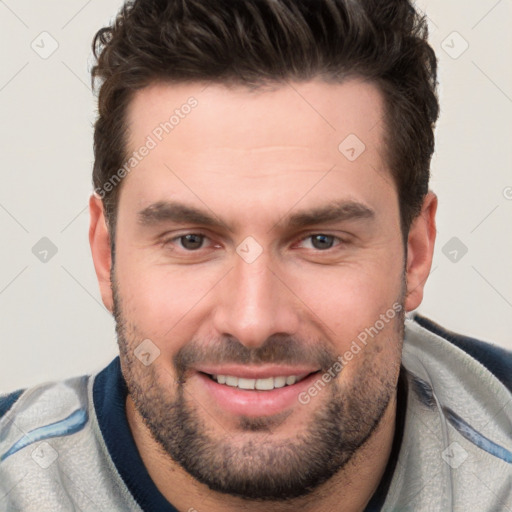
180	213
337	211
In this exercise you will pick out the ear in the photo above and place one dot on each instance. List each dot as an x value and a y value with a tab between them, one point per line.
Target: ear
420	251
99	240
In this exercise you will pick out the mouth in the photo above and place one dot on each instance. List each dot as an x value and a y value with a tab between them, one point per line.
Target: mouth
256	395
266	384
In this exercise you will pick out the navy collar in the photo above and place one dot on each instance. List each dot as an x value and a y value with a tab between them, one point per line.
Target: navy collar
109	397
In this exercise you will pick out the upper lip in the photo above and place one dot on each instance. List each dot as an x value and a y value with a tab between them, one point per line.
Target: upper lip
256	372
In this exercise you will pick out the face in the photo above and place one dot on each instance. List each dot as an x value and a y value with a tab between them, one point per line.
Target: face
256	247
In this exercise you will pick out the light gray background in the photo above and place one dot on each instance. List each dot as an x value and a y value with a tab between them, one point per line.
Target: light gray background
52	322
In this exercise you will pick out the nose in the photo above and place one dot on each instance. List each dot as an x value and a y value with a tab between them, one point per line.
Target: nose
254	302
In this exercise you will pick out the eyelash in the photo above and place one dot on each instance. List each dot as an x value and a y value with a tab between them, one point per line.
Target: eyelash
339	241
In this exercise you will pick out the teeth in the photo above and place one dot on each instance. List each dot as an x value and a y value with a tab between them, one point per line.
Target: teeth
231	381
265	384
279	382
246	383
260	384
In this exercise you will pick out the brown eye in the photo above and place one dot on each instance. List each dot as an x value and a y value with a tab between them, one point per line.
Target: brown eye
191	241
322	241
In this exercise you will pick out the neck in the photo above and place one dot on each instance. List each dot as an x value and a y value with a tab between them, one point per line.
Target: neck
353	486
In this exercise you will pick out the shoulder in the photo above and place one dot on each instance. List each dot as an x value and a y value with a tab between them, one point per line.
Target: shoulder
47	410
8	400
496	359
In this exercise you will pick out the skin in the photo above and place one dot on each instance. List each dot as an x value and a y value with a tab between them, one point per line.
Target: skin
250	158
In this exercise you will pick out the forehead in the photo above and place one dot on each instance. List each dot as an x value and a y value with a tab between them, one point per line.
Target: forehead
308	114
210	140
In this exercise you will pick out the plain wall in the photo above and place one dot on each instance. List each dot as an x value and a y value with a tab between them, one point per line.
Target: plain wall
53	324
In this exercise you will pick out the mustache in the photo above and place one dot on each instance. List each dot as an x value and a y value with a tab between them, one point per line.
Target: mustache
278	349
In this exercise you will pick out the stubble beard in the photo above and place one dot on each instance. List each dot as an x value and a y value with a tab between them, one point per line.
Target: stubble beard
257	466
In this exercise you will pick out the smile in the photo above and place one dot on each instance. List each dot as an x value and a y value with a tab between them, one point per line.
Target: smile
256	395
267	384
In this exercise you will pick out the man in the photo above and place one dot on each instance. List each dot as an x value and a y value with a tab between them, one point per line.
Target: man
261	226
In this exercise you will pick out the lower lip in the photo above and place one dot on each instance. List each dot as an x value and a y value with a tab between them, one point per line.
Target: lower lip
256	402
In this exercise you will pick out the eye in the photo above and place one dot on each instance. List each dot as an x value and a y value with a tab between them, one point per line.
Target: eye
321	241
189	241
192	241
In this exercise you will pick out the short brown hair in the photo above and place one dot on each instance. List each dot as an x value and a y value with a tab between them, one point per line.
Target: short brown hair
253	42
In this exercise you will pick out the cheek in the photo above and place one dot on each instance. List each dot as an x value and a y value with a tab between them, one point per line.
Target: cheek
350	299
157	298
